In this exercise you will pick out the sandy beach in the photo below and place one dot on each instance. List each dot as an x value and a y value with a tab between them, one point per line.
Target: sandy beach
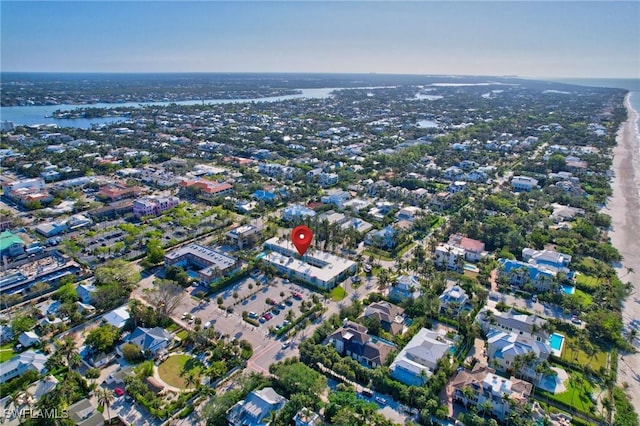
624	209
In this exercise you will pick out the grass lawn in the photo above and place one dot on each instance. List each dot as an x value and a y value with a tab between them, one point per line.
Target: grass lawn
587	282
182	334
175	369
578	356
337	294
376	254
577	395
6	352
405	249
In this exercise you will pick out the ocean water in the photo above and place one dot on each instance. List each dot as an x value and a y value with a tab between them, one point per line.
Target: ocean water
634	100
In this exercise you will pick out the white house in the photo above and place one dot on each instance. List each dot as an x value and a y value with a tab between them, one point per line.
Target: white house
335	197
419	358
153	340
117	318
531	326
453	299
28	339
523	183
503	348
256	408
21	363
449	256
405	287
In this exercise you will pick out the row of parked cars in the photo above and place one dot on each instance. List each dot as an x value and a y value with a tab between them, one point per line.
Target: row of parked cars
275	310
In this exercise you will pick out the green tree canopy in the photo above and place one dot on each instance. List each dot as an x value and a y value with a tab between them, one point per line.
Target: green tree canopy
103	338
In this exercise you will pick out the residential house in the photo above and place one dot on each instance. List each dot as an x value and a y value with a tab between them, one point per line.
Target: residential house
11	245
523	183
328	179
332	217
452	173
453	300
405	287
548	258
408	213
353	340
6	333
244	236
265	196
85	308
531	326
520	273
419	359
152	340
335	197
473	249
296	213
307	417
277	170
440	201
503	348
82	413
486	386
457	186
117	318
449	256
28	339
357	224
563	213
21	363
85	292
391	316
256	408
384	238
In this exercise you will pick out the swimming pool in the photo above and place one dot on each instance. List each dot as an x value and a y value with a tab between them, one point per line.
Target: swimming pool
555	342
470	267
568	289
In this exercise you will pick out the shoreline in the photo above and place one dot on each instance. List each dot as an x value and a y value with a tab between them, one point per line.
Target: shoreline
624	209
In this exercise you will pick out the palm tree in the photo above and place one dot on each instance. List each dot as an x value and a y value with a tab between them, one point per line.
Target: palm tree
273	418
486	407
105	398
191	380
67	349
15	400
468	393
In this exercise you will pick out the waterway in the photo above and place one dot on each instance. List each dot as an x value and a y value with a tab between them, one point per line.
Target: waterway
41	114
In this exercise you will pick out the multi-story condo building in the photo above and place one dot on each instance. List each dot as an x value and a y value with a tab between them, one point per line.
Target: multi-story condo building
153	206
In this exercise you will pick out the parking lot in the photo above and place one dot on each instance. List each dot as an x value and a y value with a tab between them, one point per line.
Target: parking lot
253	293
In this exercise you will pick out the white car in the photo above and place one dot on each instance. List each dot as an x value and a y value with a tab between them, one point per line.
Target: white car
285	344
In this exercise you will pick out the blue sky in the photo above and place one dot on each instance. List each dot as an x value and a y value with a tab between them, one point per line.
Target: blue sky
530	39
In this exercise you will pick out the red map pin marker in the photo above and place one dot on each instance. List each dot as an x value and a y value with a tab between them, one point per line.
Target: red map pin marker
301	237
